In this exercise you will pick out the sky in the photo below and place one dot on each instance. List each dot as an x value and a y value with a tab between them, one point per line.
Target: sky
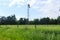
38	8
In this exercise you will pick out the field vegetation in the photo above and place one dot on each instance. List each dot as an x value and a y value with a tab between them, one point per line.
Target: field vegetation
29	32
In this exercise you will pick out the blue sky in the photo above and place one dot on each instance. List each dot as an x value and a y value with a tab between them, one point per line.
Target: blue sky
38	8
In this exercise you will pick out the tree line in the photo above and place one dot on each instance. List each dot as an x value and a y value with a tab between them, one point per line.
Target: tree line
11	20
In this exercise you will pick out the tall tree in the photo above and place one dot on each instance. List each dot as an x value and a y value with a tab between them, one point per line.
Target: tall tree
3	20
44	21
58	19
21	21
36	21
53	21
11	19
25	21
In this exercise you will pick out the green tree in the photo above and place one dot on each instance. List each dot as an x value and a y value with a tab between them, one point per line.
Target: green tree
25	21
58	19
36	21
3	20
44	21
21	21
11	20
53	21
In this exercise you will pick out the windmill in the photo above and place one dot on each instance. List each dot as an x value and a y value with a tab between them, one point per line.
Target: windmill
28	13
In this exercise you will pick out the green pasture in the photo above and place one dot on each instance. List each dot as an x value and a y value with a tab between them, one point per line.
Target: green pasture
29	32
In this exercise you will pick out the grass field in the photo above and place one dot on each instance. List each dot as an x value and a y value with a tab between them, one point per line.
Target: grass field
29	32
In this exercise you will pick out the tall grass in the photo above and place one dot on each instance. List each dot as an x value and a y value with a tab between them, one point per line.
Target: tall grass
29	32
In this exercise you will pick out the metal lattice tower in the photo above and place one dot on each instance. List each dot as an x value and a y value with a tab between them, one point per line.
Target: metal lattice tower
59	9
28	13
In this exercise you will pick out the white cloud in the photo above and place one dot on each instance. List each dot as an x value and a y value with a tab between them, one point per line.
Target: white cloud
22	2
13	2
49	8
32	2
52	9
